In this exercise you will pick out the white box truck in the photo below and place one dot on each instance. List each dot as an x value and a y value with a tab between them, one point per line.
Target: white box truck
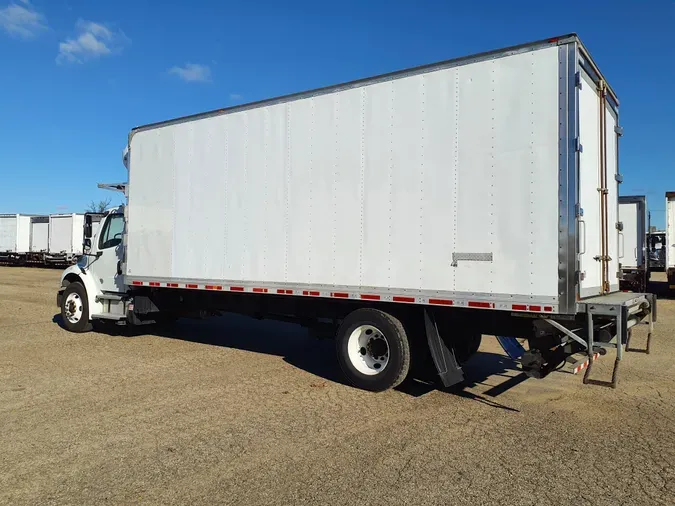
39	238
407	214
14	236
633	228
670	239
66	237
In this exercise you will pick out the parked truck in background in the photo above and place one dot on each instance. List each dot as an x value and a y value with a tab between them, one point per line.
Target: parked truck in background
14	236
634	224
406	214
670	239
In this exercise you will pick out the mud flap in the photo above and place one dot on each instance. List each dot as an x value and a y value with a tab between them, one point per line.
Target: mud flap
444	358
511	346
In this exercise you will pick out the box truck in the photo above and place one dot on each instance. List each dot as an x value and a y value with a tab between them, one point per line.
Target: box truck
14	236
39	239
633	227
670	239
65	237
405	214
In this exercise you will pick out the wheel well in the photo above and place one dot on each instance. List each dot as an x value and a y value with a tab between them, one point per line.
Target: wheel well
71	278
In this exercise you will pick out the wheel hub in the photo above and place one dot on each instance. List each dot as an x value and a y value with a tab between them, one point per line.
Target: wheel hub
368	350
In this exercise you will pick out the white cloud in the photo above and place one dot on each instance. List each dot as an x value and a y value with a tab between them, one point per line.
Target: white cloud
236	96
93	41
192	72
21	21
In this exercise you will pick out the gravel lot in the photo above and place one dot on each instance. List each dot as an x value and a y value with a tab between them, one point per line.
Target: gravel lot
236	411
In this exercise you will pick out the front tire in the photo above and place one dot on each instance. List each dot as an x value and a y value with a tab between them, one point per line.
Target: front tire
373	350
75	308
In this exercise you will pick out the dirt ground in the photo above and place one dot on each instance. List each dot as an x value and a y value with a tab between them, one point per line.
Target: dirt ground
236	411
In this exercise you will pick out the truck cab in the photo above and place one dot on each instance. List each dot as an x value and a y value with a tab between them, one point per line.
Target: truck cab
89	288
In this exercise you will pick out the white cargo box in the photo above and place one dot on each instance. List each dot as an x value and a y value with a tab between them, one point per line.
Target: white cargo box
463	183
66	234
633	237
39	234
14	233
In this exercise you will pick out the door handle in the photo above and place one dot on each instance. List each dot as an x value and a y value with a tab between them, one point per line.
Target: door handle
582	251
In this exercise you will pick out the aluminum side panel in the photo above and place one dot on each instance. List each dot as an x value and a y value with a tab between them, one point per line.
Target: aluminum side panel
372	186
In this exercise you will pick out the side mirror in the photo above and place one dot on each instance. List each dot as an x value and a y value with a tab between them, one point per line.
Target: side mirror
87	243
87	228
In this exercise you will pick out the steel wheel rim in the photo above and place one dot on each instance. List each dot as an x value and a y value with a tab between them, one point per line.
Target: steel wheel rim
74	308
368	350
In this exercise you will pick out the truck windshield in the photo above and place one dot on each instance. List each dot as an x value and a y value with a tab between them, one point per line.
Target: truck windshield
111	235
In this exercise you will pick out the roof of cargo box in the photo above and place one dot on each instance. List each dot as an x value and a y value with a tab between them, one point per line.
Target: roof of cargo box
456	62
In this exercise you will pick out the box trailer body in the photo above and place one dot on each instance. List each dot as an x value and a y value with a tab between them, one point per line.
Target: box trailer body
670	239
634	224
453	188
453	182
14	234
65	236
39	234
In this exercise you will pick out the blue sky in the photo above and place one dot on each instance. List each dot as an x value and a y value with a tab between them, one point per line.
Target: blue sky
77	75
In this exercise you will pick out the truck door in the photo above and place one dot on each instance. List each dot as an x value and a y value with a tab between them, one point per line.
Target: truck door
110	249
598	190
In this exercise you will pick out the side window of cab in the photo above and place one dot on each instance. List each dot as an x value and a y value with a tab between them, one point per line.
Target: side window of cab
111	235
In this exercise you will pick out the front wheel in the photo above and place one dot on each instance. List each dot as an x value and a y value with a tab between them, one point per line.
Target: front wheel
75	308
373	350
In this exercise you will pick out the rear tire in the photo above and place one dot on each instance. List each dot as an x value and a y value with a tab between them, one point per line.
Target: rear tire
373	350
75	308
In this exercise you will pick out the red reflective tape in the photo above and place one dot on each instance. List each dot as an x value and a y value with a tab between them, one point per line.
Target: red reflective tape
519	307
473	303
548	309
153	283
237	288
260	290
191	286
313	294
535	308
137	283
213	287
366	296
442	302
340	295
284	291
398	298
172	285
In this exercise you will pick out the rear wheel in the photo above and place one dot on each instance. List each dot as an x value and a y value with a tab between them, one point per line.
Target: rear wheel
373	350
75	308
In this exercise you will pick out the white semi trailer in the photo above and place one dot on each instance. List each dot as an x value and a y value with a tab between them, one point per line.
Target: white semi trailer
407	214
633	228
14	236
66	237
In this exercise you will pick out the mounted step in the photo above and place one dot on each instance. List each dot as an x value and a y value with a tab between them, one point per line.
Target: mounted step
110	296
108	316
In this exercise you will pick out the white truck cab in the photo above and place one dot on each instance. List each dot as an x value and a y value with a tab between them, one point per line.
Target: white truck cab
97	276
